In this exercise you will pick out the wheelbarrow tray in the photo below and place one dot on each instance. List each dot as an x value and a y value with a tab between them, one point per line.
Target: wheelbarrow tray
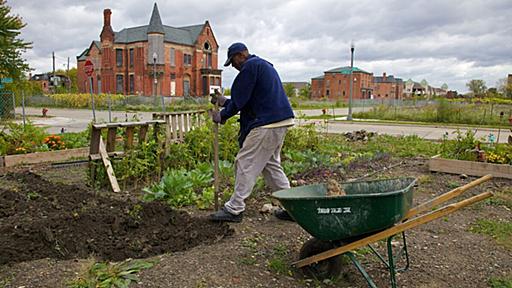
368	206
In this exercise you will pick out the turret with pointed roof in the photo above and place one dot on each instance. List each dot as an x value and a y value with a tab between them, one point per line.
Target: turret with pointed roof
155	23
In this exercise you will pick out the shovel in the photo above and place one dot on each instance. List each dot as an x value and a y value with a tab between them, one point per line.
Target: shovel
216	156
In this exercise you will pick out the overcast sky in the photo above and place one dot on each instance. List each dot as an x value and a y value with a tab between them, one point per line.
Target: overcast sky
441	41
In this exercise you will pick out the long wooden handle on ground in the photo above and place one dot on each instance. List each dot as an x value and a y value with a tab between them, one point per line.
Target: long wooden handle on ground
445	197
393	230
216	160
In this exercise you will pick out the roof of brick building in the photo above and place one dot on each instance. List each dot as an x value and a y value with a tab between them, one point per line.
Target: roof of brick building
346	70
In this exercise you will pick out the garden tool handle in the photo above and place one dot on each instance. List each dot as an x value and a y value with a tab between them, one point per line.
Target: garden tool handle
216	157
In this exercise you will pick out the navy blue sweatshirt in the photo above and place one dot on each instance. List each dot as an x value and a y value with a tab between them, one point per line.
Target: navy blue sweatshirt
258	94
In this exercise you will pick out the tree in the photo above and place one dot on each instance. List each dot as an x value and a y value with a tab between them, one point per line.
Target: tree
477	87
305	92
11	47
504	87
289	90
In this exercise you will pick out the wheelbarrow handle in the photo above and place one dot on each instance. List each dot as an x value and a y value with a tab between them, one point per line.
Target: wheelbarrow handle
445	197
393	230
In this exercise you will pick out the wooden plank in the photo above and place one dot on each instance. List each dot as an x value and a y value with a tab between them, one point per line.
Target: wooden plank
111	139
441	212
168	136
143	131
180	127
108	166
126	124
110	154
469	167
128	144
95	140
49	156
156	130
180	112
445	197
174	127
186	118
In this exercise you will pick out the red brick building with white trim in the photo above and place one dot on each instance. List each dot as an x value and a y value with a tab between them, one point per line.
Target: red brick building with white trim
185	59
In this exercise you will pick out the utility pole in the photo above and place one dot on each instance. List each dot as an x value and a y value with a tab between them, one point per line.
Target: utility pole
53	77
349	117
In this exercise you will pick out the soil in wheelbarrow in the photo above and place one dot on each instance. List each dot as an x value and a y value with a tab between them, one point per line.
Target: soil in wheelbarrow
40	219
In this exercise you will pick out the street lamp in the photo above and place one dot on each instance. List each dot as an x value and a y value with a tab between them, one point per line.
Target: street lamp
349	117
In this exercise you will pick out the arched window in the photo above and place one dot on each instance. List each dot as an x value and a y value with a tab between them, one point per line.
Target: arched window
207	48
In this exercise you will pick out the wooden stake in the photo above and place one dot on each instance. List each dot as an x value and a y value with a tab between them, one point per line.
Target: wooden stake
108	167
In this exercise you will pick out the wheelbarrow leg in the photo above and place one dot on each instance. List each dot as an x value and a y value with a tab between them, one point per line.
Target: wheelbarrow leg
391	264
363	272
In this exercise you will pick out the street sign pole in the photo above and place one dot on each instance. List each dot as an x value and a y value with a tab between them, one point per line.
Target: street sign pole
89	70
92	102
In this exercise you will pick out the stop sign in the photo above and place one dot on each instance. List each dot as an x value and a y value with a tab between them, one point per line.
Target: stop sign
89	68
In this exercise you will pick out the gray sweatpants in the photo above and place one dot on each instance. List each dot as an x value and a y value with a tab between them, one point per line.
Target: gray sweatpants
261	153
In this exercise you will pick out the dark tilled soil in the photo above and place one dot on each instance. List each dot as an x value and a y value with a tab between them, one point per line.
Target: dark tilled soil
40	219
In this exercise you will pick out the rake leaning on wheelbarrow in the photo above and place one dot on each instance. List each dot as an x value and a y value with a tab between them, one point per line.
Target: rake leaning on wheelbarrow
369	212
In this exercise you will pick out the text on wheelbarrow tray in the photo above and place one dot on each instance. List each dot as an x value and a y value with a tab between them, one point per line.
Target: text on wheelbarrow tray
339	210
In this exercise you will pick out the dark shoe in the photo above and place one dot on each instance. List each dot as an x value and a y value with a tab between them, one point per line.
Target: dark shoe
283	215
224	216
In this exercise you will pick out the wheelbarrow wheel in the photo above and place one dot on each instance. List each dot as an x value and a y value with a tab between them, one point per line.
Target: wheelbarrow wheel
328	268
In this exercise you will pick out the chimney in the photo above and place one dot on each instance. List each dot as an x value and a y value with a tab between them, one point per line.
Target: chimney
107	34
106	17
384	76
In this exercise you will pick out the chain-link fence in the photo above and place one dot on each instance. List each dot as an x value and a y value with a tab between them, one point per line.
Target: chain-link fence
7	104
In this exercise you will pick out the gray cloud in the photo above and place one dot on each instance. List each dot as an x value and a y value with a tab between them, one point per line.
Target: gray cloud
438	40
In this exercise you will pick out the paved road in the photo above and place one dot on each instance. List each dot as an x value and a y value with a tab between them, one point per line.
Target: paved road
74	120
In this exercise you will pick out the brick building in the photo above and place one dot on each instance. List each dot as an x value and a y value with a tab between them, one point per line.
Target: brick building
335	84
184	59
387	87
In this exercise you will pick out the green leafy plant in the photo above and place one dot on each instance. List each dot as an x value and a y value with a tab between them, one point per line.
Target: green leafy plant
19	139
462	148
108	275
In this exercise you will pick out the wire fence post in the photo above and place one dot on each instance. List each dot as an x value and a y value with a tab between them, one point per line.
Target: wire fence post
13	105
23	106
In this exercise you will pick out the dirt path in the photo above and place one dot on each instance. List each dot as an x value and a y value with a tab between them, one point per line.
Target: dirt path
254	253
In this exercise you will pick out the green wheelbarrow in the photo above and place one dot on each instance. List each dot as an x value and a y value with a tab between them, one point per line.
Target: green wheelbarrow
369	212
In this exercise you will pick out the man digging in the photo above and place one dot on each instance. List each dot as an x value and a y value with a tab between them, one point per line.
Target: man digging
265	115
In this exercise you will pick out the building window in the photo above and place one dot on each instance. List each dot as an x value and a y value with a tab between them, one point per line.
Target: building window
343	93
131	57
119	57
132	83
173	57
119	84
187	59
173	76
327	92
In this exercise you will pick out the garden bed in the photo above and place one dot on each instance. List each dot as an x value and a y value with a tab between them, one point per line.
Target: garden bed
472	168
40	157
40	219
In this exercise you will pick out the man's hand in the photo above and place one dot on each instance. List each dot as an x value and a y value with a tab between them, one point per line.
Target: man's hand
218	98
215	115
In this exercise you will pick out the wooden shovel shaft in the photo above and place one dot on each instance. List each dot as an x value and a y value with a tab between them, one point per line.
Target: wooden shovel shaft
445	197
393	230
216	160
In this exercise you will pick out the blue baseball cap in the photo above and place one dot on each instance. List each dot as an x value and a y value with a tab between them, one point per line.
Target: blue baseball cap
233	50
